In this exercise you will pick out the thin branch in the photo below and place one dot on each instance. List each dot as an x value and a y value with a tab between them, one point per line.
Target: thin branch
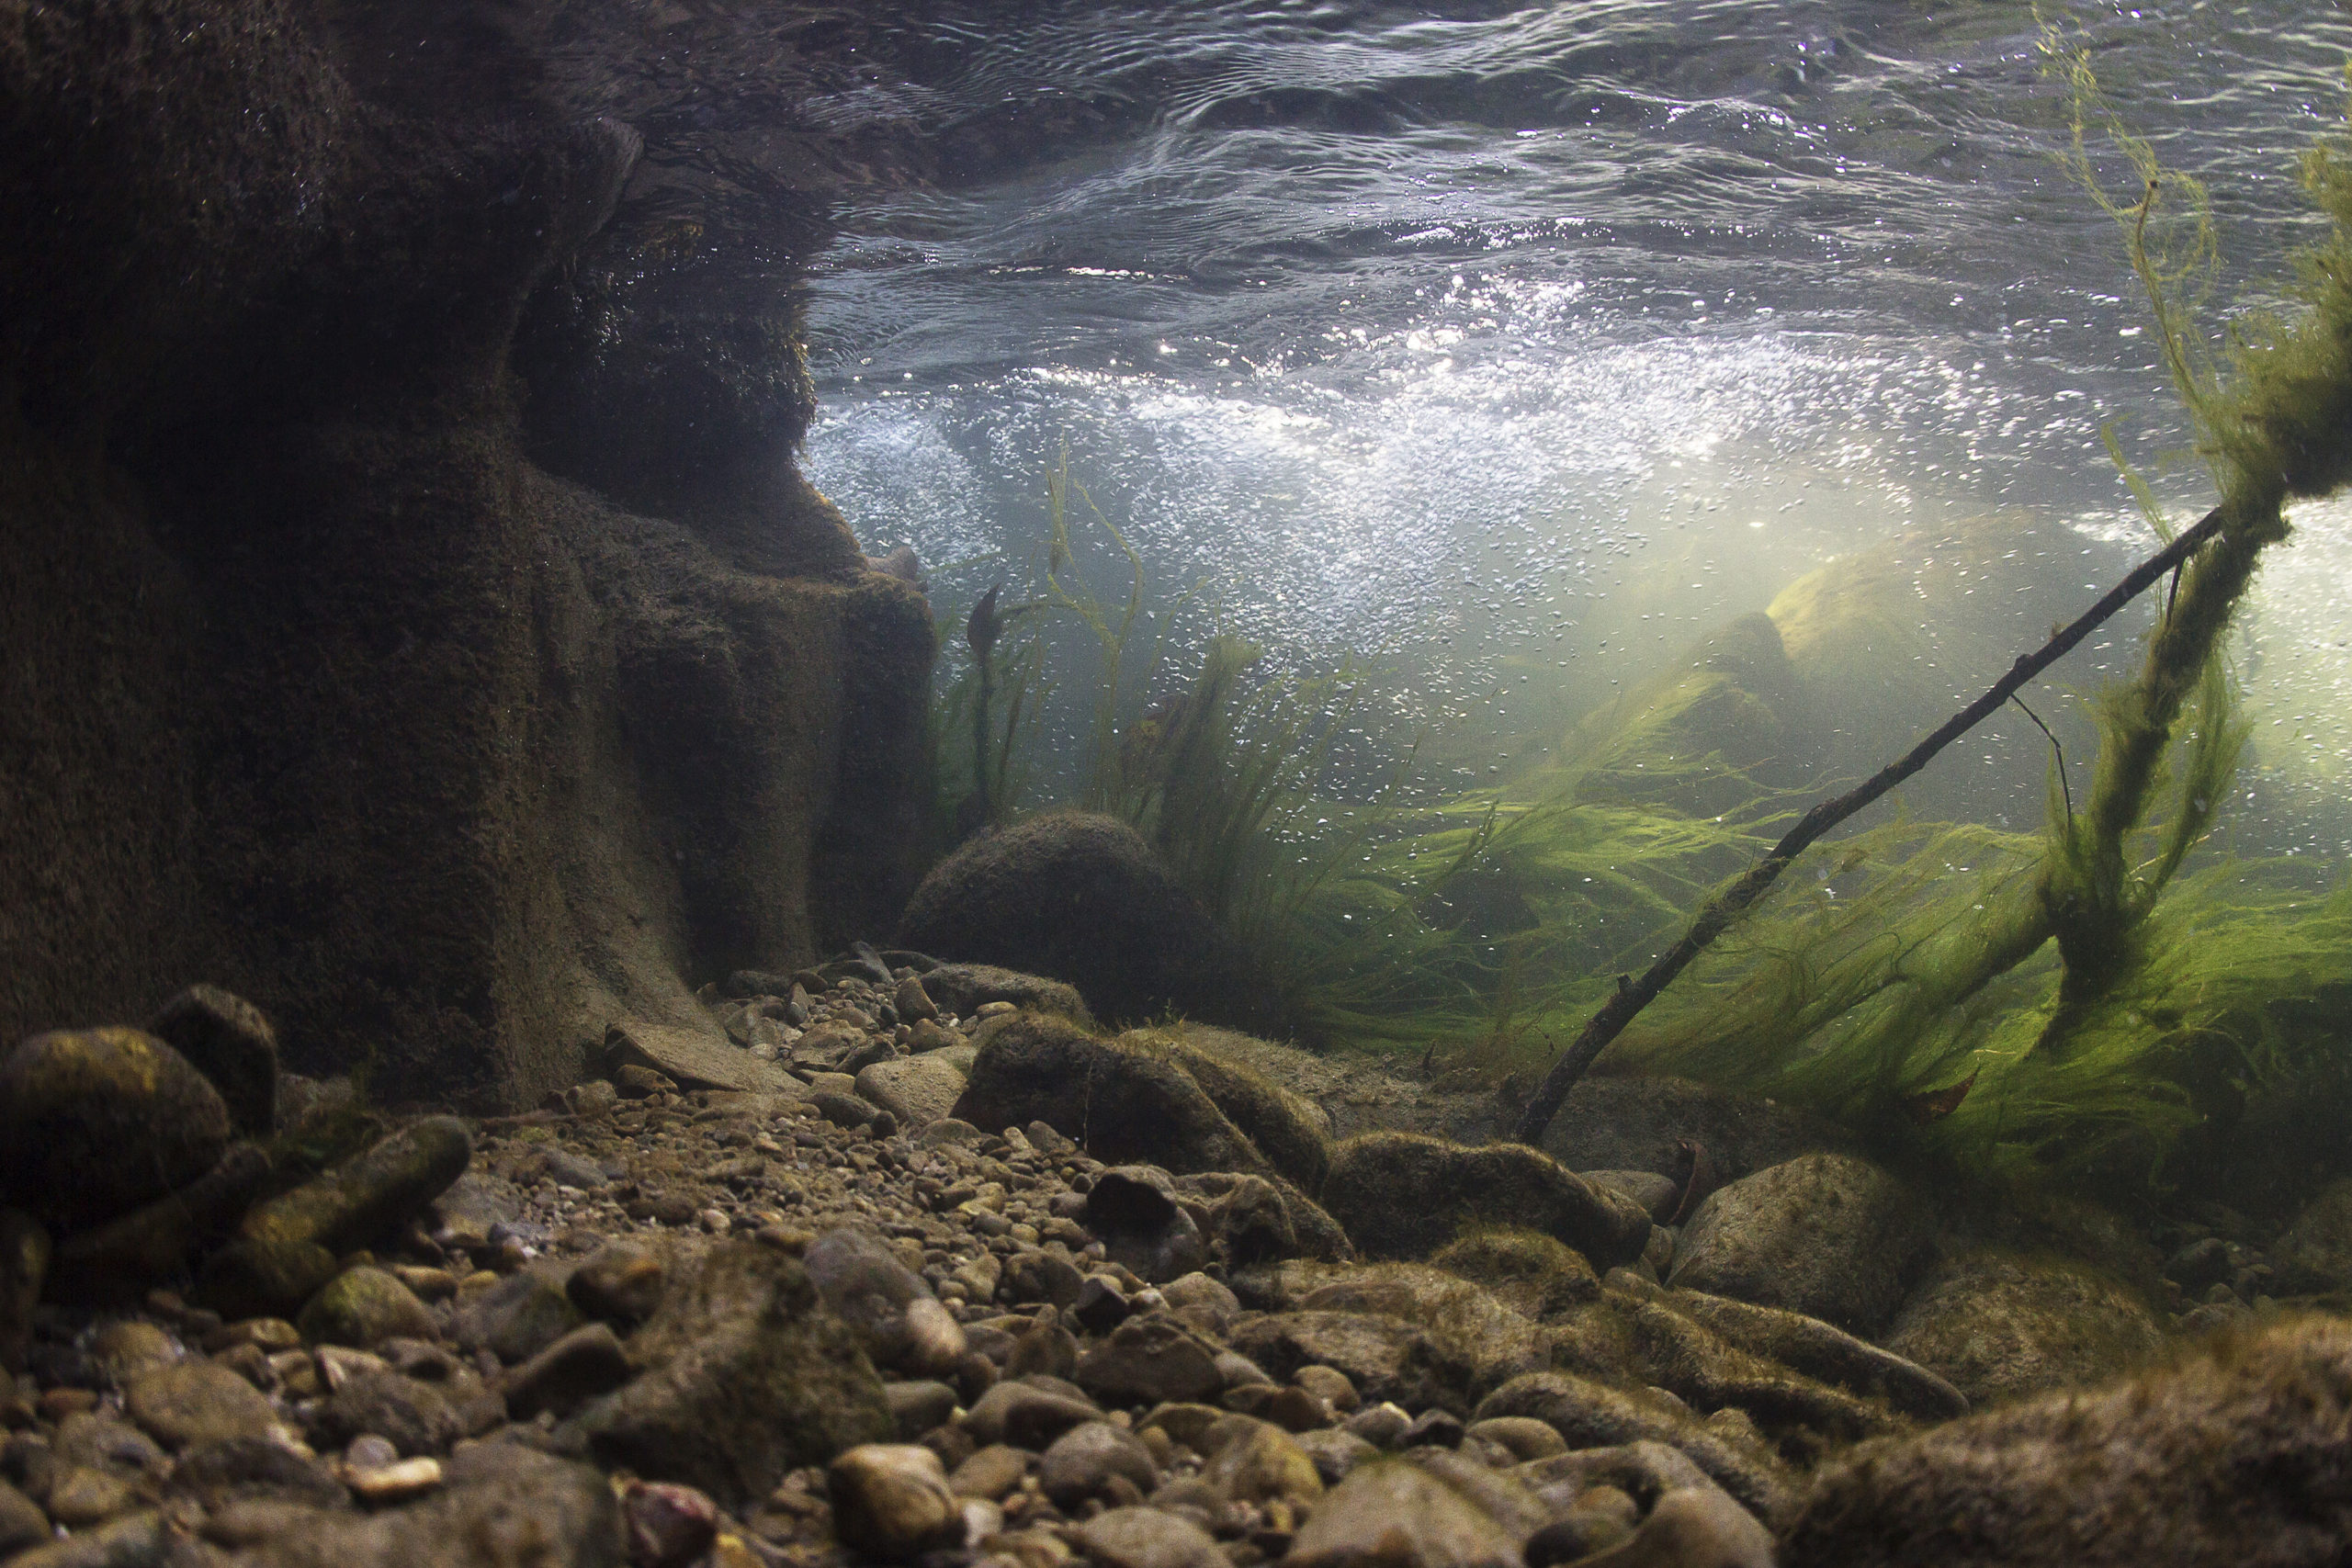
2064	789
1725	907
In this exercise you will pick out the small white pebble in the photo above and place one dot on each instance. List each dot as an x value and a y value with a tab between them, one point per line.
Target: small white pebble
396	1483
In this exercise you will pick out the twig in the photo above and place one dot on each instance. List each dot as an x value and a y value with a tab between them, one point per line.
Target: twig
2064	788
1724	908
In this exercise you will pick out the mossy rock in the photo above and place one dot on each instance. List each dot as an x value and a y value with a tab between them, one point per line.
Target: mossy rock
96	1122
362	1307
2235	1457
370	1193
1825	1353
228	1040
1290	1130
263	1279
2001	1326
1080	896
965	988
1828	1235
1399	1195
1534	1274
1684	1355
1467	1322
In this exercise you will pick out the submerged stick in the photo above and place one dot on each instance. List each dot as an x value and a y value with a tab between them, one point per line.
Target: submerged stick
1725	907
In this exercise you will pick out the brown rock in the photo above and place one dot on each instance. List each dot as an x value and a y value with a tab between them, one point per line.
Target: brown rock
891	1499
1148	1537
742	1377
227	1039
1402	1195
197	1402
1400	1514
1148	1360
74	1101
581	1366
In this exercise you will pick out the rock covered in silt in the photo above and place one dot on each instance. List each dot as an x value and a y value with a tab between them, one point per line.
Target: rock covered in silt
229	1040
96	1122
2314	1252
1125	1102
1406	1515
2234	1457
1133	1213
742	1374
2001	1326
1403	1195
498	1506
1828	1235
372	1192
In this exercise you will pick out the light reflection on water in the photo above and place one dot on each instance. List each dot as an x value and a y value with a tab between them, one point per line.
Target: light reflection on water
1482	341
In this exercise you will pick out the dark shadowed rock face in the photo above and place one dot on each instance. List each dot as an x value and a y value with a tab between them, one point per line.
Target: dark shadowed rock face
1080	898
320	682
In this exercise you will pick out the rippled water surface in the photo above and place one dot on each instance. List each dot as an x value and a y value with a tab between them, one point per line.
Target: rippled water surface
1519	345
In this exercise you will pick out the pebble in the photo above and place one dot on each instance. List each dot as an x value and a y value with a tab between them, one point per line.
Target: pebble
891	1499
397	1482
1084	1462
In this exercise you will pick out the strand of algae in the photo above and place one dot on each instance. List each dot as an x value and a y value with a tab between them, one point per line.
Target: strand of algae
2276	426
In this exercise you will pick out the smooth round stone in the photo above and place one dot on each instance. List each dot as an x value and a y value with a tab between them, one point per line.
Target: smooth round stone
77	1105
891	1499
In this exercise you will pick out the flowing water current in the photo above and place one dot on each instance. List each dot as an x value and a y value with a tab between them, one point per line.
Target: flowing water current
1517	347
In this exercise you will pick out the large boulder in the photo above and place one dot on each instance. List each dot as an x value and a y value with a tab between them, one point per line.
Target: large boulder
96	1121
742	1375
1402	1195
2001	1326
2233	1460
1828	1235
1083	898
1123	1102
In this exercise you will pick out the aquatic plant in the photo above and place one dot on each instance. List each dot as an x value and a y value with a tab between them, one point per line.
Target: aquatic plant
1850	1009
